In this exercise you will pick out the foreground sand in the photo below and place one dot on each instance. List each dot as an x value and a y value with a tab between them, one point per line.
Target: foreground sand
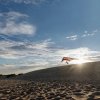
51	90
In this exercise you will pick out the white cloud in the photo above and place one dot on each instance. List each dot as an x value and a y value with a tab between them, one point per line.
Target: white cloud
29	1
28	56
41	45
22	68
73	37
88	34
7	66
39	55
41	51
84	35
34	2
12	15
20	28
14	23
15	50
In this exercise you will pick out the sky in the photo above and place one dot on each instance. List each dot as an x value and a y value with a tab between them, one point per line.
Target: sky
36	34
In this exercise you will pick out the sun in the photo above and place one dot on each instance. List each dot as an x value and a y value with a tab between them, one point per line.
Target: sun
79	61
82	56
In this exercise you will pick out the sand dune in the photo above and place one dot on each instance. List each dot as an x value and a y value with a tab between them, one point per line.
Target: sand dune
86	71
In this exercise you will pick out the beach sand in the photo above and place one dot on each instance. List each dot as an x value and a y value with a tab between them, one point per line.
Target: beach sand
49	90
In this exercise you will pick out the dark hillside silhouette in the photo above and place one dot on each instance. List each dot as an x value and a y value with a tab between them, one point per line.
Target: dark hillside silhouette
86	71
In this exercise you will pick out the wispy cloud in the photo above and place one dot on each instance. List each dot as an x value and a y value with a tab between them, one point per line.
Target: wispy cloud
30	2
73	37
12	15
12	49
88	34
34	2
15	23
30	56
24	56
82	35
22	68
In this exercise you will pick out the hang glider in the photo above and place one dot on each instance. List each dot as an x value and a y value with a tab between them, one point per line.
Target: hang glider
68	59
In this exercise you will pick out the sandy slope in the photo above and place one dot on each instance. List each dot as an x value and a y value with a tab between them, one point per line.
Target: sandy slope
86	71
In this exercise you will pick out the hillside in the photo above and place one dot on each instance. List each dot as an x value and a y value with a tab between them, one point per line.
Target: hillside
86	71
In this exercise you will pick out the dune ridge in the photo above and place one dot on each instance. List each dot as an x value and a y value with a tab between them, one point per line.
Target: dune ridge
86	71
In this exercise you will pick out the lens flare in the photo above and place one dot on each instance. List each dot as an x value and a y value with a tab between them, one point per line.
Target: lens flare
80	61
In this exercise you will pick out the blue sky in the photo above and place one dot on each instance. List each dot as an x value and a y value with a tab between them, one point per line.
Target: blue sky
36	34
